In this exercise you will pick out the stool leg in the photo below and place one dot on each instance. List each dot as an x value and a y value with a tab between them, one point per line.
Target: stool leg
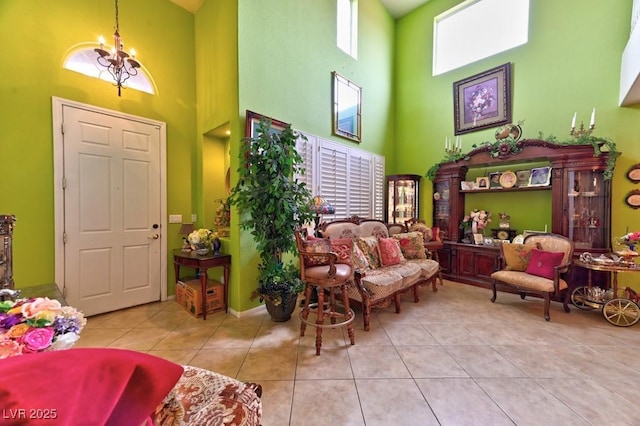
332	304
320	320
305	309
347	315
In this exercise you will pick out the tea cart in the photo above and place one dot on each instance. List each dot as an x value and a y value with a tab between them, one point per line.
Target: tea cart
620	309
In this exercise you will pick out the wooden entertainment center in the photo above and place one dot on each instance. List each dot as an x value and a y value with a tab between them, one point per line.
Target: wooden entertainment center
580	202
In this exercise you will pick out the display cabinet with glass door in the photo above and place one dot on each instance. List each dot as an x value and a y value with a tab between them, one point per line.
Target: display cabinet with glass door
402	198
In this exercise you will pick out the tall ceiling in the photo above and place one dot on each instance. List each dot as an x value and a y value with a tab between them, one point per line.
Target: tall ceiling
396	8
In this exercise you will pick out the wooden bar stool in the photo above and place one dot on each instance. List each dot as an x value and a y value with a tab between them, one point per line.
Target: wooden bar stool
319	269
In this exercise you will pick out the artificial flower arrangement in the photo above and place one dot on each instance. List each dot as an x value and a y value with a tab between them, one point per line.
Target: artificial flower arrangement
36	325
480	217
200	238
631	240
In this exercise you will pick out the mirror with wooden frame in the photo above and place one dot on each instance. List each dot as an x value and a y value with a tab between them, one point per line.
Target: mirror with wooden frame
347	100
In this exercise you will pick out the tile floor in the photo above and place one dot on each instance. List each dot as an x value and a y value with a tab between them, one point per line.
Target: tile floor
454	358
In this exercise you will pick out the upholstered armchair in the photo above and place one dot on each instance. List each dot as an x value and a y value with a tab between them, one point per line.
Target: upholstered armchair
539	266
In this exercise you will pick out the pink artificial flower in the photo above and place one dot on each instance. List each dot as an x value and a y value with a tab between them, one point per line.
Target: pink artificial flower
37	339
30	309
9	348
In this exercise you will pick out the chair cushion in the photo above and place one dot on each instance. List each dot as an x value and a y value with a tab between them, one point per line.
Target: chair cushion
390	253
542	263
369	246
316	245
412	245
527	281
428	267
321	272
517	256
343	247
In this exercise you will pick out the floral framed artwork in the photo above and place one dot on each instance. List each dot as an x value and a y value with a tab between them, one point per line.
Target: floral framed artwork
483	100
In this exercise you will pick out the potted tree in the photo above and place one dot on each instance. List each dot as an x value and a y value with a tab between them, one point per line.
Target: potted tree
272	205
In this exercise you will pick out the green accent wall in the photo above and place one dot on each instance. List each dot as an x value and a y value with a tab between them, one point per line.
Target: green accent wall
570	64
275	57
37	35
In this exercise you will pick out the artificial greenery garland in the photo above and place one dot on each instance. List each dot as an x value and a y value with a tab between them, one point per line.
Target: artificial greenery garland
512	146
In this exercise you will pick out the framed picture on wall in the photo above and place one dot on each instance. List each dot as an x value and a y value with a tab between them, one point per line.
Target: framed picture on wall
494	180
252	123
540	176
482	100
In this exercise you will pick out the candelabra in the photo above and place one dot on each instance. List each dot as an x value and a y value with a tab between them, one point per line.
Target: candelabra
453	149
581	131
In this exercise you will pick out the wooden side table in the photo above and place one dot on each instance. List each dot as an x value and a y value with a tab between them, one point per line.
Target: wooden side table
201	263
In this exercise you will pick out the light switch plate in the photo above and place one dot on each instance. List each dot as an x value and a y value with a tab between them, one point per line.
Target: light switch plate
194	218
175	218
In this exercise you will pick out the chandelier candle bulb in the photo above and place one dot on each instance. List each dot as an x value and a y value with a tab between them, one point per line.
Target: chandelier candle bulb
573	121
593	118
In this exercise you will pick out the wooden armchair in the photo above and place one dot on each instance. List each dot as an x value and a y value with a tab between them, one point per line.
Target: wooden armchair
537	267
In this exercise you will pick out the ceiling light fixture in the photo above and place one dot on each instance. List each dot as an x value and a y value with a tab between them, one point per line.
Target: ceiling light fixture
118	62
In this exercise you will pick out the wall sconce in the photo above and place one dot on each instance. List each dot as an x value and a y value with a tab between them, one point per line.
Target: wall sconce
185	230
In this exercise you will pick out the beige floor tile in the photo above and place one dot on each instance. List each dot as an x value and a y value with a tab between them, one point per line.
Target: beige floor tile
592	402
140	339
277	398
225	336
225	361
330	337
430	362
409	334
370	362
483	361
528	404
278	334
393	402
100	337
332	363
326	402
538	362
179	356
452	334
269	364
168	320
185	338
461	402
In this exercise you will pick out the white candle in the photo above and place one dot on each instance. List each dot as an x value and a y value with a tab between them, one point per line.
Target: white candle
593	118
573	122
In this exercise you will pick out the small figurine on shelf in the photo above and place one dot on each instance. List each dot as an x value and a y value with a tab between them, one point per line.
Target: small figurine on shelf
504	220
222	220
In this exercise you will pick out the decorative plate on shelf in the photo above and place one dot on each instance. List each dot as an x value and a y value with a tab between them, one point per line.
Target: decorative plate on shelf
519	239
513	131
508	179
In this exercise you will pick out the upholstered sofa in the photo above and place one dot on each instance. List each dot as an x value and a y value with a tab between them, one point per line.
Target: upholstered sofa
385	266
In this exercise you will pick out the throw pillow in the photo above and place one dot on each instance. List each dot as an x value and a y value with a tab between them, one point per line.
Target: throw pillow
516	256
390	253
92	386
543	262
360	261
316	245
369	246
427	233
412	245
343	247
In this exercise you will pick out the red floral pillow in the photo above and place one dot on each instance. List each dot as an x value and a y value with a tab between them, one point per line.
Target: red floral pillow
343	247
412	245
390	253
542	263
316	245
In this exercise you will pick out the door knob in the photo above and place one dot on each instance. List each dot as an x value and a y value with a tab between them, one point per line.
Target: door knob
153	236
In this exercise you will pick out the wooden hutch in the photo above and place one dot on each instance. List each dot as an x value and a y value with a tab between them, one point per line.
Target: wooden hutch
570	164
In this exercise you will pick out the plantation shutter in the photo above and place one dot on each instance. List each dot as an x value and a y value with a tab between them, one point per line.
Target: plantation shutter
378	187
360	184
333	178
306	150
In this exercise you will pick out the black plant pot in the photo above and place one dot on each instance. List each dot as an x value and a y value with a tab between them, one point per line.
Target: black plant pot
283	311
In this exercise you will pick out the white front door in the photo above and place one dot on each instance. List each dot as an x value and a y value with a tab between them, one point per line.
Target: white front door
112	210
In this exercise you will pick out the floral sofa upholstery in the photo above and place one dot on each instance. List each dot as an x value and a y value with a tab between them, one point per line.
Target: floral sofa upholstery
385	266
203	397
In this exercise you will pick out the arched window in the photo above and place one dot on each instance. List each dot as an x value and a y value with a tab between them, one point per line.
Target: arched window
83	59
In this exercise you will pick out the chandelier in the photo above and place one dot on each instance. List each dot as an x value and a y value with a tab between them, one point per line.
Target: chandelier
119	63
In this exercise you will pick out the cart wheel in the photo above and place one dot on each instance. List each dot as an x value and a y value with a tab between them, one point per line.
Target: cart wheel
621	312
579	297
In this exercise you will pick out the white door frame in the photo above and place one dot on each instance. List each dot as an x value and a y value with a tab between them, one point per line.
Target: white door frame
58	193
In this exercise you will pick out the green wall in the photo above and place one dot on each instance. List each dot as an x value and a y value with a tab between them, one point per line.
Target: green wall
287	51
36	36
570	64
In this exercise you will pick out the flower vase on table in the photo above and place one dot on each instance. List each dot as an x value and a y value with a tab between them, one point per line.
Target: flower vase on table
201	248
215	245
